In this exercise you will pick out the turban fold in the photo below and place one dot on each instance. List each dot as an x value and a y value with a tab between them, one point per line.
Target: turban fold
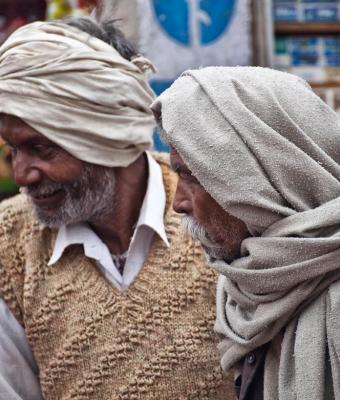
267	149
78	91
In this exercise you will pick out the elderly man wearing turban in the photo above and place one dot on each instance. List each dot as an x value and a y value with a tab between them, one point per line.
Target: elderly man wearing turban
101	295
258	159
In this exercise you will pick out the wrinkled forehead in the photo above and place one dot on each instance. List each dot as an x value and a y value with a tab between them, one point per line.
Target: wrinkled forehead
10	125
11	120
3	118
13	123
15	130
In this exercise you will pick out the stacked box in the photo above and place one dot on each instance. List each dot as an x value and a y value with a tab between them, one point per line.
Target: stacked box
320	51
286	11
306	10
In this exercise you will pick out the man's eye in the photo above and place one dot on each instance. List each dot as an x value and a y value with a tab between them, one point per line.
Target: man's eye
185	175
13	150
188	177
42	150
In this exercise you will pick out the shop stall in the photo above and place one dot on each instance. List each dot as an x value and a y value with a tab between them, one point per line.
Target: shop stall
307	43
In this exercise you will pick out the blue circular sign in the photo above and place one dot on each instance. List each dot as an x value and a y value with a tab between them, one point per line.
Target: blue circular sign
194	22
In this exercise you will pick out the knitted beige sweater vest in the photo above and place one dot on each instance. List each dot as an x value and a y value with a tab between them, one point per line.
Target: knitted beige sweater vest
92	342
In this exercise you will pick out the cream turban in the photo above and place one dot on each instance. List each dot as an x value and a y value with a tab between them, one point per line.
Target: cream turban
77	91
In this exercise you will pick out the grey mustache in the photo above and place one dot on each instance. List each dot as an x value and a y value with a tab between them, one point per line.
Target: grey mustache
43	190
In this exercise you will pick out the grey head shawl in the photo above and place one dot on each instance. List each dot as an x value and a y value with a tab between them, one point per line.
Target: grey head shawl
268	150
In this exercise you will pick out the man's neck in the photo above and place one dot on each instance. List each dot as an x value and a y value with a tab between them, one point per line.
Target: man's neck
116	228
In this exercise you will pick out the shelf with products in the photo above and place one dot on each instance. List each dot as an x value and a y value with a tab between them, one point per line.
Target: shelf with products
307	43
307	11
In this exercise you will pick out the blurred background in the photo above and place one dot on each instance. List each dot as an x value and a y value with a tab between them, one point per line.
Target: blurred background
298	36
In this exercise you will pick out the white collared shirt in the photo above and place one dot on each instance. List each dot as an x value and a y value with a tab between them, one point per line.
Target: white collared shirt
18	370
150	221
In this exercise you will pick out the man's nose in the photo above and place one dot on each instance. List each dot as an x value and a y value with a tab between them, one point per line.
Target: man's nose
25	172
182	203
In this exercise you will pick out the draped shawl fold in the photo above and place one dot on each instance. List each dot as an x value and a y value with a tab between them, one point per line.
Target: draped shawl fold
268	150
78	91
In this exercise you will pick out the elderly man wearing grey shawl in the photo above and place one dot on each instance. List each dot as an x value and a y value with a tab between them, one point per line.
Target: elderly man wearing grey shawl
258	159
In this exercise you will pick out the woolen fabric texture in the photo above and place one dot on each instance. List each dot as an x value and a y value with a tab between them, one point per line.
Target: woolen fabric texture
268	150
90	341
78	91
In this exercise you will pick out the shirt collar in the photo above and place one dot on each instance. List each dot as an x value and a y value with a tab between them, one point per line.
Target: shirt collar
152	211
151	215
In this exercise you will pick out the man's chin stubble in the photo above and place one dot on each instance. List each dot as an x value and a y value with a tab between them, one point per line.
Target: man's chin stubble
85	200
198	232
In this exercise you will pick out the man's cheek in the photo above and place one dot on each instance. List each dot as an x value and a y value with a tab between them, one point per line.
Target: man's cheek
63	169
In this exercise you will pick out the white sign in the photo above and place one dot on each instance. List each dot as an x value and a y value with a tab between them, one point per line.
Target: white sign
181	34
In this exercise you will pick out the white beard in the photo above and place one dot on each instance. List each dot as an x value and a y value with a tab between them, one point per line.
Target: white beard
86	199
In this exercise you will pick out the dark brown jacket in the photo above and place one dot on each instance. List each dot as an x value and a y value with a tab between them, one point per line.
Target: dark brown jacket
249	385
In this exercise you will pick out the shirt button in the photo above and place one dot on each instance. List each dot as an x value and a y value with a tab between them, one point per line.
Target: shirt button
251	358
